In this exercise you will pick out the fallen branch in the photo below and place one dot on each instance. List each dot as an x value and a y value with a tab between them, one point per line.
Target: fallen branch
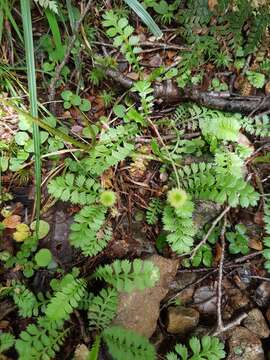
168	92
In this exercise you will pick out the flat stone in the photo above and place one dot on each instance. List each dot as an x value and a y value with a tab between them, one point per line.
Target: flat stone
205	212
262	294
244	345
181	320
237	298
182	281
185	296
139	310
267	314
256	323
205	300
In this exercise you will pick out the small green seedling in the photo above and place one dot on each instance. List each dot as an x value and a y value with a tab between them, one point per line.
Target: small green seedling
43	257
43	230
238	240
71	99
256	79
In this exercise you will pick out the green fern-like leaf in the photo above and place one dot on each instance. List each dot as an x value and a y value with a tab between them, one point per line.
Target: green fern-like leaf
114	145
218	183
77	190
181	229
123	34
259	24
85	301
103	157
48	4
118	134
128	276
25	300
186	118
180	350
6	341
153	211
206	348
258	126
88	232
126	344
41	341
213	123
102	309
63	303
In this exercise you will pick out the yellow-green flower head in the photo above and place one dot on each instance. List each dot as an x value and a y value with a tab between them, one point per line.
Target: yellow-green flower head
108	198
177	198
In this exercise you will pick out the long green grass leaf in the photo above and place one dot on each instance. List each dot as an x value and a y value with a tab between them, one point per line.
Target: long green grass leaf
11	19
71	15
1	22
93	355
31	77
144	16
51	17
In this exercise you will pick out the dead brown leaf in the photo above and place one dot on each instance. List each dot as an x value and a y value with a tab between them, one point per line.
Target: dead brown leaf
255	244
212	4
258	218
12	221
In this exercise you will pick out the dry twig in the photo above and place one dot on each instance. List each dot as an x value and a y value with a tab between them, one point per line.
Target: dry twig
209	232
220	276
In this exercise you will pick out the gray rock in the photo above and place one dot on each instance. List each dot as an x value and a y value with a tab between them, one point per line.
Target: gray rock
262	294
139	310
244	345
256	323
205	300
237	298
201	330
182	281
267	315
181	320
205	212
185	296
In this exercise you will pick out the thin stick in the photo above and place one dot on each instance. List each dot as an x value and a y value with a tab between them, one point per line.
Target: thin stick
232	324
246	257
164	45
209	232
60	67
220	276
165	148
260	278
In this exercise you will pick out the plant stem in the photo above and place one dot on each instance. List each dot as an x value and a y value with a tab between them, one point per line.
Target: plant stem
31	76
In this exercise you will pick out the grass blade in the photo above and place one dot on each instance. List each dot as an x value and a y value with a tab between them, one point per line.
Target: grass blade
5	5
51	17
31	77
1	22
145	17
93	355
